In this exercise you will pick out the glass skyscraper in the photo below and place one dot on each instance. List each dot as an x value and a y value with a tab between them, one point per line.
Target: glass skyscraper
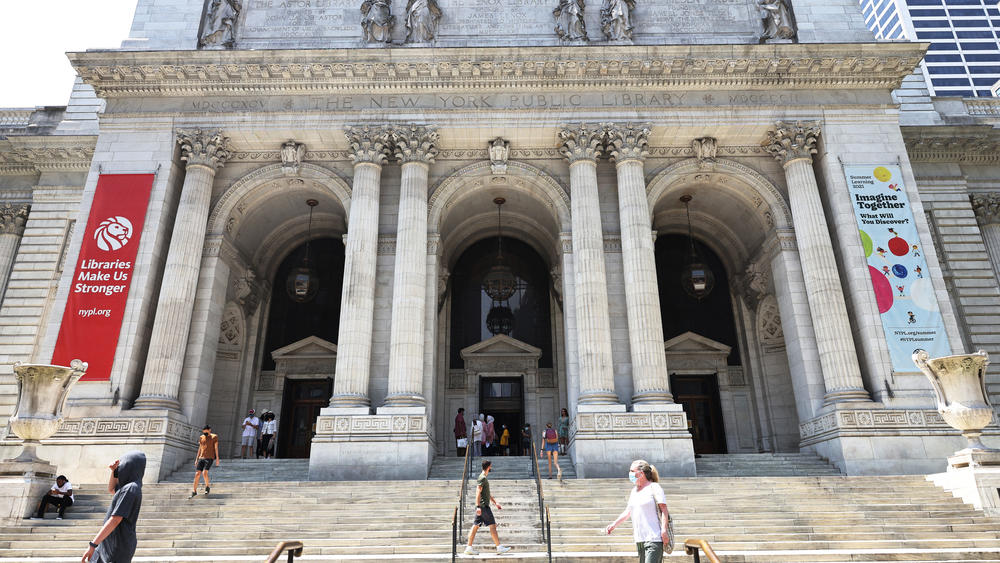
964	56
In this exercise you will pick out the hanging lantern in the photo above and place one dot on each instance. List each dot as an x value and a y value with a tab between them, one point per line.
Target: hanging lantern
303	283
500	320
499	283
697	278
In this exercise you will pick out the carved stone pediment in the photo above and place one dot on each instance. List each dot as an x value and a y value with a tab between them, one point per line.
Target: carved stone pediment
311	357
691	342
308	347
501	345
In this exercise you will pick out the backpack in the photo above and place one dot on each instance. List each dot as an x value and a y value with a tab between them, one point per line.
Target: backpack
550	436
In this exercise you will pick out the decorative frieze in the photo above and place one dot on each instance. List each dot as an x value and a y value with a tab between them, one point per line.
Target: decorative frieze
604	425
870	422
32	154
830	66
790	141
335	428
86	429
203	148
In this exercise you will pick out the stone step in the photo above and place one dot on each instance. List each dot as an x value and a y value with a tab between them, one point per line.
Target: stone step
763	464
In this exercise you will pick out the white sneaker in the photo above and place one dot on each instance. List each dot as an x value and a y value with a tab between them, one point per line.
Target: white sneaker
502	549
470	551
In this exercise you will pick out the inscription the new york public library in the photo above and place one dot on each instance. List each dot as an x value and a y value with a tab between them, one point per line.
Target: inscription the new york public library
493	101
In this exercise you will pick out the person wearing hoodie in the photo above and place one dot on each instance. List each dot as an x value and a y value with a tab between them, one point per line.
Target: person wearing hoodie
116	540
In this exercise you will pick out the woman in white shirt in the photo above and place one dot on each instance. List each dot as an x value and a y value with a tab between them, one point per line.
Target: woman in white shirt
647	505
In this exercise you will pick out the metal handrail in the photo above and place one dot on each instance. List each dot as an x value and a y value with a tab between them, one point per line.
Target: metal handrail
542	509
294	548
548	532
459	517
692	545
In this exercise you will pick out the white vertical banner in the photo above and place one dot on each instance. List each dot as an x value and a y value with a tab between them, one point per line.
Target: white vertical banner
900	278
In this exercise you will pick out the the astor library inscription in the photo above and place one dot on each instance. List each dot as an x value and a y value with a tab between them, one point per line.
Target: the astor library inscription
273	19
688	17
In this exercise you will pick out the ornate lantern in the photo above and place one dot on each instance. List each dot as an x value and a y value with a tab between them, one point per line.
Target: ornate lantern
697	278
303	283
500	320
500	282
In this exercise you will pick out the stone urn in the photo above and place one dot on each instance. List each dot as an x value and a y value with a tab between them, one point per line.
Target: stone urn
960	386
41	392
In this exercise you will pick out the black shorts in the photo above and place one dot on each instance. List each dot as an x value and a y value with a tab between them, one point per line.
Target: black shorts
485	518
204	464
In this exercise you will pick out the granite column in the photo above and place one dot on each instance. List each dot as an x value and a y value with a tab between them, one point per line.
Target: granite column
581	146
987	209
793	145
204	152
369	150
627	145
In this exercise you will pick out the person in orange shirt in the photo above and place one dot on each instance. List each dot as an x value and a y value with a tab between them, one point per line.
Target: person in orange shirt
208	451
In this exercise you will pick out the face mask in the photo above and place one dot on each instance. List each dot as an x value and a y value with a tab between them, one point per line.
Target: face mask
633	478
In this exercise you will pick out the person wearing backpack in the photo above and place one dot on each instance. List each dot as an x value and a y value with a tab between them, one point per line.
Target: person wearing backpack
550	446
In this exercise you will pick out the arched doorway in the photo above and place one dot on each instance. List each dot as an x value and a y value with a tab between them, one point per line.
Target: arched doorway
726	354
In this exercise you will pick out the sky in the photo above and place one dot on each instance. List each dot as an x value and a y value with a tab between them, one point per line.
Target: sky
35	36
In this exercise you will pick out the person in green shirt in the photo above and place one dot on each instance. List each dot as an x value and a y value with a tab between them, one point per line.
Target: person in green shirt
484	516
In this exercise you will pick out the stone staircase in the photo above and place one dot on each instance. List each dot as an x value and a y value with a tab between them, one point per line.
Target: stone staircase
818	519
247	471
764	465
785	519
509	467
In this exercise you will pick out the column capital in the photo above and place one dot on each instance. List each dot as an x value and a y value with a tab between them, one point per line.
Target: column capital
791	141
368	143
987	207
628	141
582	142
205	148
13	217
415	143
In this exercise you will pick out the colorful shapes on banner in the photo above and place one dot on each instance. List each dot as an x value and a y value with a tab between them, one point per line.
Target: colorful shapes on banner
899	270
922	293
883	290
899	246
882	174
866	243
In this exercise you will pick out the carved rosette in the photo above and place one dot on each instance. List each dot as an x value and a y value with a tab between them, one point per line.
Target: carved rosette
415	143
791	141
987	207
581	142
628	142
204	148
369	144
12	218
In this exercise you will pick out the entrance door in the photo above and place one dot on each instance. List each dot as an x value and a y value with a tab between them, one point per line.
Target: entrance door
503	399
699	395
301	405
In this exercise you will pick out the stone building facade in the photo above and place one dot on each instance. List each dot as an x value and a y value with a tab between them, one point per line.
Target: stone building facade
405	122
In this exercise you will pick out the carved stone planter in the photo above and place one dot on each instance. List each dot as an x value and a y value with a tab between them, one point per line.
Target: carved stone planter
41	393
960	386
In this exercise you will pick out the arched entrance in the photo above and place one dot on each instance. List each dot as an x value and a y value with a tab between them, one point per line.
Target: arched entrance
518	378
726	353
261	224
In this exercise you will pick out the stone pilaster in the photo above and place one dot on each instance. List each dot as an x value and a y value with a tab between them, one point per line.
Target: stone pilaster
415	147
12	219
369	150
204	152
793	145
581	146
651	385
987	208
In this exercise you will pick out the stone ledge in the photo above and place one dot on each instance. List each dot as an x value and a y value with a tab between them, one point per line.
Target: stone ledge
97	429
629	425
370	428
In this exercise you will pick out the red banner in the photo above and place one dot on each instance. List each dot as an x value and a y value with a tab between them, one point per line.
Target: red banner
93	317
